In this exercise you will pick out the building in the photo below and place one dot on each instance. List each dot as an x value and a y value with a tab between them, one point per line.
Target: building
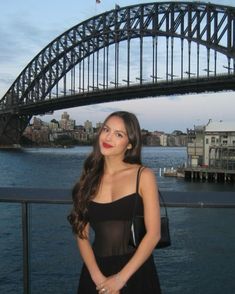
176	139
66	123
99	125
54	125
195	146
37	123
219	145
80	134
163	140
212	145
88	127
152	140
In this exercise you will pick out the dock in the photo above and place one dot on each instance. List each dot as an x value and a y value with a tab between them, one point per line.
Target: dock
209	174
173	172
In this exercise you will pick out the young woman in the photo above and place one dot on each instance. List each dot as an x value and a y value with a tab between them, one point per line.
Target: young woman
104	198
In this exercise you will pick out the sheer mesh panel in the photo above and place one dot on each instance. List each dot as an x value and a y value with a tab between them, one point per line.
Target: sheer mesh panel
112	237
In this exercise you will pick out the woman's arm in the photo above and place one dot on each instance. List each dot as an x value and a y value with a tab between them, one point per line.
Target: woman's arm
149	192
88	257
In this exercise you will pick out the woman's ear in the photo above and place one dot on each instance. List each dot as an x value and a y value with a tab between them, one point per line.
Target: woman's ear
129	146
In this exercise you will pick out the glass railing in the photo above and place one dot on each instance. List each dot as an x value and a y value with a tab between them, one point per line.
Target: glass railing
38	252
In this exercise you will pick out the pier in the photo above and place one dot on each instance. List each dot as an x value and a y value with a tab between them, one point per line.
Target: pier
209	174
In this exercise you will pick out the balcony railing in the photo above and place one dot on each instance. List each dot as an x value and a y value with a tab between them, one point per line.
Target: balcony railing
29	200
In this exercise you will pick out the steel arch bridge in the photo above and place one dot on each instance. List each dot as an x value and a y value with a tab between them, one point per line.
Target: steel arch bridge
142	50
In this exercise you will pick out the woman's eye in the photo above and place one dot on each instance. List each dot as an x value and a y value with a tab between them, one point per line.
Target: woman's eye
105	129
119	135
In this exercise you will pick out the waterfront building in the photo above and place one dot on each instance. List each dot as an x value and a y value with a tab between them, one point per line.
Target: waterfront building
65	115
54	125
99	125
163	140
195	146
153	140
219	145
176	138
80	134
66	123
88	127
212	145
65	131
37	132
40	136
37	123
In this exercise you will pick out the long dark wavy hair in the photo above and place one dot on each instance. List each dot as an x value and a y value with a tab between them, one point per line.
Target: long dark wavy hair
87	186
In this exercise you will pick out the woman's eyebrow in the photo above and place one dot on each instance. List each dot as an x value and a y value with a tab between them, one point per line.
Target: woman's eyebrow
120	131
115	130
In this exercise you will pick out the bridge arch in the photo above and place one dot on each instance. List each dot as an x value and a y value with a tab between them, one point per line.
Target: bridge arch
206	24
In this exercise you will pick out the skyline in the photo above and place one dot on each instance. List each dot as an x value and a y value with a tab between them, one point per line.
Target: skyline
82	123
27	27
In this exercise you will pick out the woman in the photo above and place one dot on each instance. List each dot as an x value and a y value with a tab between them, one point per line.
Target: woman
112	180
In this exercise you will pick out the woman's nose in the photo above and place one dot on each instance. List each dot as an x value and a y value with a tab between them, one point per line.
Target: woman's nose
109	136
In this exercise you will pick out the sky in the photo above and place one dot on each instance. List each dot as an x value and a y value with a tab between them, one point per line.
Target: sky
27	26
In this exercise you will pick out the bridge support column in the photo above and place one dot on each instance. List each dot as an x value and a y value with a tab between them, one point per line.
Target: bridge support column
11	129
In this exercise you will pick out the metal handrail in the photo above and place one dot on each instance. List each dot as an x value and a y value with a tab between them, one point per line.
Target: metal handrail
197	199
27	196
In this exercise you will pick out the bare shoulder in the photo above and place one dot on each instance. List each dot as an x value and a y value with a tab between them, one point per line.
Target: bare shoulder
148	181
147	174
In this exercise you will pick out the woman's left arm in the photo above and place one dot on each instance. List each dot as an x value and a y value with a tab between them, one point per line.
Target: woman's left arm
149	192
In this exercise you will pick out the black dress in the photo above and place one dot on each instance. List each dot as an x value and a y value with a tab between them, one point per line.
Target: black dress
111	223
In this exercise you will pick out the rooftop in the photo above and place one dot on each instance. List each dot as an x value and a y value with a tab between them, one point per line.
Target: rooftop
221	126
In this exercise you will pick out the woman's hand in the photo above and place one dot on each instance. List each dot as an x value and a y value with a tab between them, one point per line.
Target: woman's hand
112	285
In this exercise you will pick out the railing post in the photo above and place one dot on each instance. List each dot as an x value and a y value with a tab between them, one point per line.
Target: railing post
25	235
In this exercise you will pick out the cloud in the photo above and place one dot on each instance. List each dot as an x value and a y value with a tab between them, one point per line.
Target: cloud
6	80
7	45
102	108
20	39
174	97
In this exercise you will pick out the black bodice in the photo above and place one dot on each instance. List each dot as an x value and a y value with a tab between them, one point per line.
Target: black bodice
111	223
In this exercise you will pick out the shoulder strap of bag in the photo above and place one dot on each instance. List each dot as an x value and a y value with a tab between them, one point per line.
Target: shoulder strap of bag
163	202
138	178
137	190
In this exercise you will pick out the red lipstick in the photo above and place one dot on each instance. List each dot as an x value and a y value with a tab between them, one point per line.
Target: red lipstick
106	145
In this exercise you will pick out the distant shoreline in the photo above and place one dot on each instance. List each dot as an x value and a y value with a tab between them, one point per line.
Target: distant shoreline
20	146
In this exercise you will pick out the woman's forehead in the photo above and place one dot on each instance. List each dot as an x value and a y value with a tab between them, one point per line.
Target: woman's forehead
116	123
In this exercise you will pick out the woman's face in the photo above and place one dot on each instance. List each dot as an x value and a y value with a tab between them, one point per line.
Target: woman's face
113	139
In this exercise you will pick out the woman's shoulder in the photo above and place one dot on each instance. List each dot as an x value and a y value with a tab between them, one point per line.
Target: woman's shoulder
147	178
146	171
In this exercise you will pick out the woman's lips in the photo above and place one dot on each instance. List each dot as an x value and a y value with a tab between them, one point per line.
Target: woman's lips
106	145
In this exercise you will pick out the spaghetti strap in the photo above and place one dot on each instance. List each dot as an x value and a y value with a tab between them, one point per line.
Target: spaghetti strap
138	178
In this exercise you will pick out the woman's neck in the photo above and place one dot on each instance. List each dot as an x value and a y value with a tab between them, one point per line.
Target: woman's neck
113	165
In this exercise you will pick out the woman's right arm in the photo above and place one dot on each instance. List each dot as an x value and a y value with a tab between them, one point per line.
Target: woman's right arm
88	257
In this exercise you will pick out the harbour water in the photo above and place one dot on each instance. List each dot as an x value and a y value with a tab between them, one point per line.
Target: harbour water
200	260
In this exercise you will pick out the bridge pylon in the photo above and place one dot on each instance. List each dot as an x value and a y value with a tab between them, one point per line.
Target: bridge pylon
11	129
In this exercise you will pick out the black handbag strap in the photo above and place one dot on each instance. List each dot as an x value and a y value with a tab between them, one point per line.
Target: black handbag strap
137	191
163	202
138	178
